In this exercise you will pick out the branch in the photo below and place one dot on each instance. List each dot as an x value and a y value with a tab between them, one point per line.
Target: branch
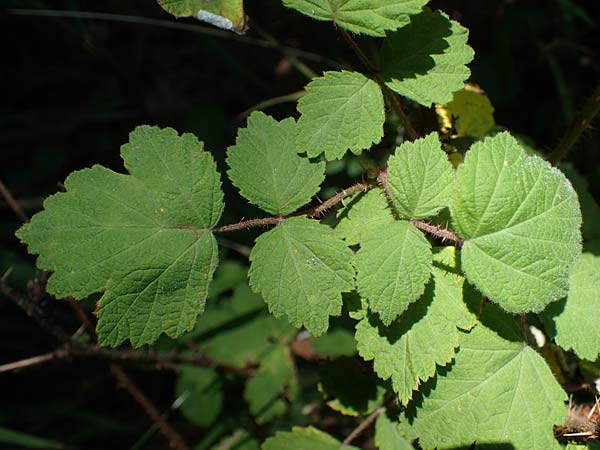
34	361
14	205
363	426
580	122
389	94
249	224
440	233
174	438
330	203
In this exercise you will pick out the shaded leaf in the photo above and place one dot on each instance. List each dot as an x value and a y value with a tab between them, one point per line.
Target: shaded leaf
201	391
303	439
226	14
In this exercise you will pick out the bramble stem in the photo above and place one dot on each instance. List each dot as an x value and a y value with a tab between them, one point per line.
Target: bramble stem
578	125
438	232
389	94
330	203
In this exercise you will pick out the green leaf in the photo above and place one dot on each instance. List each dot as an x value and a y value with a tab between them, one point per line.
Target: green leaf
337	341
589	207
371	17
264	390
303	439
238	440
143	239
426	334
387	435
472	112
420	178
226	14
301	269
340	111
202	394
392	267
265	167
27	440
497	391
520	220
362	215
350	387
573	322
426	60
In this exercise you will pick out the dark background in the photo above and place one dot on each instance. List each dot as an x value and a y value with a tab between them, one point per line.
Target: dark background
73	88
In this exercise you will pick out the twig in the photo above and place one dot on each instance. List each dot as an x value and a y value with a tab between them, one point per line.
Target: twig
438	232
329	203
34	361
14	205
580	122
174	438
243	250
249	224
389	94
176	26
363	425
294	96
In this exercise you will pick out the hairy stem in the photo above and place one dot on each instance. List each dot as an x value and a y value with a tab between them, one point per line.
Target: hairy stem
389	94
579	124
330	203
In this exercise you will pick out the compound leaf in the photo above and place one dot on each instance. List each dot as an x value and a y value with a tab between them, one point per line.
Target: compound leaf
426	60
143	239
497	391
303	439
420	178
201	389
392	267
521	223
573	322
266	168
371	17
226	14
301	269
362	215
427	334
340	111
264	390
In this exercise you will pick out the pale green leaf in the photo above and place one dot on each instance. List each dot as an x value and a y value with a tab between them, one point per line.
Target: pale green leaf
362	215
497	391
426	60
143	239
308	438
420	178
426	334
266	168
301	269
392	267
264	390
201	393
471	111
520	220
226	14
574	321
340	111
371	17
387	435
350	387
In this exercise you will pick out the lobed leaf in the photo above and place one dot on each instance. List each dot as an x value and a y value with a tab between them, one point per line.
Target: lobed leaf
340	111
142	239
521	223
498	391
420	178
392	267
426	60
301	269
427	333
371	17
265	167
573	322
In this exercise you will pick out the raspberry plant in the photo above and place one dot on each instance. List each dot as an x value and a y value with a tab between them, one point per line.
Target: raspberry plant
438	260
